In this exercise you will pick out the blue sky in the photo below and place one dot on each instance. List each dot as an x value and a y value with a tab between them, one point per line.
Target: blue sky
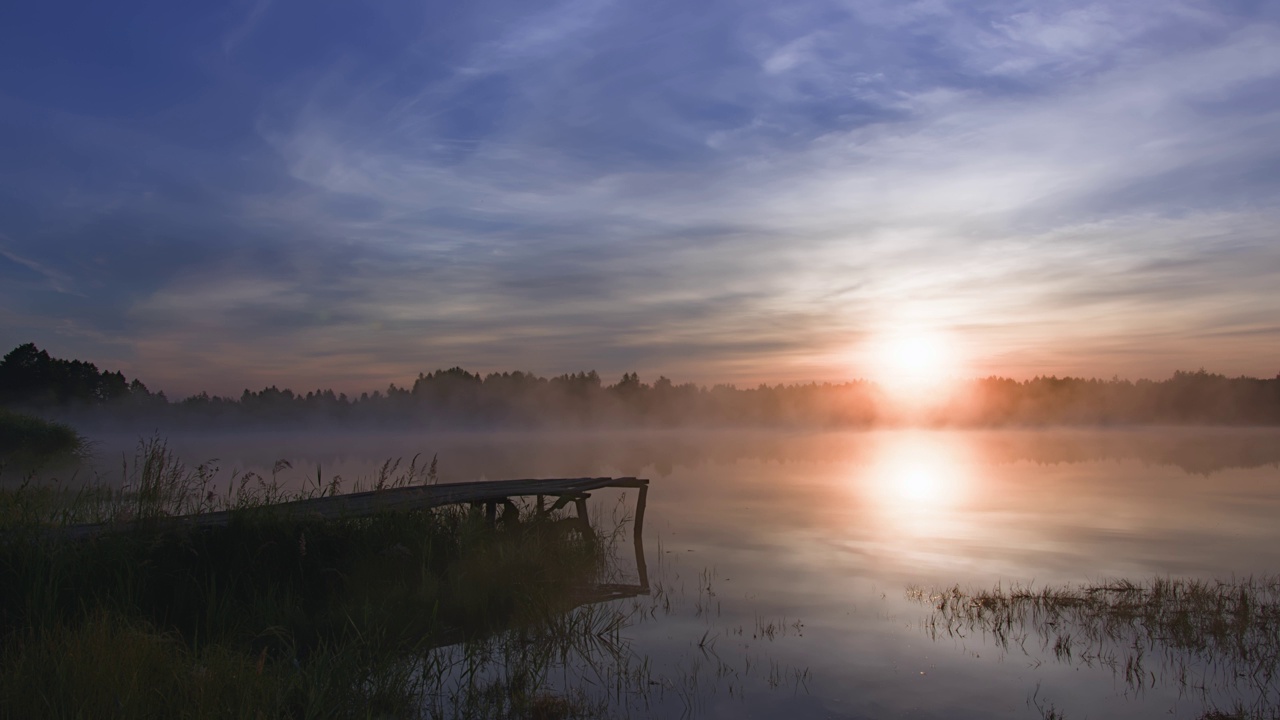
345	194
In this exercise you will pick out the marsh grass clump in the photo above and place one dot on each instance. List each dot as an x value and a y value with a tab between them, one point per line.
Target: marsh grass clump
1217	639
155	484
28	442
576	665
272	614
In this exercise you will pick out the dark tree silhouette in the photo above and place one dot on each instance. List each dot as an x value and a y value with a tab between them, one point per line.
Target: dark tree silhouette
31	379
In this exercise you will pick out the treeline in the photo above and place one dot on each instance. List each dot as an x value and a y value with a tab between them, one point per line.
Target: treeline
1198	397
458	398
30	377
32	380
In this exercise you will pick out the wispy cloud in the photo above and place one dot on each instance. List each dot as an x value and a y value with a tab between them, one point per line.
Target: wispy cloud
55	279
723	191
240	32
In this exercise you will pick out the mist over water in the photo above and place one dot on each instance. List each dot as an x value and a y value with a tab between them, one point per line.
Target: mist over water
824	532
935	343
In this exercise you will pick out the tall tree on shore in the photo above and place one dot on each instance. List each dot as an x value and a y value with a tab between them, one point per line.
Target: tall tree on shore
30	376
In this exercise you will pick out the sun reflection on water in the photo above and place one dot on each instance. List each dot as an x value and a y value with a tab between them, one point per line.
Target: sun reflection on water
919	483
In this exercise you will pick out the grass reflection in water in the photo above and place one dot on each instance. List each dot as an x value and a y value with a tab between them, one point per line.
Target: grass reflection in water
1216	641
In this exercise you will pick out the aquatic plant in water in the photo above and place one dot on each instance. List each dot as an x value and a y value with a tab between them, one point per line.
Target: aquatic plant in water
1218	641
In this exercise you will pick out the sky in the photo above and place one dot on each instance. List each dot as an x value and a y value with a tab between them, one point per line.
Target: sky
311	193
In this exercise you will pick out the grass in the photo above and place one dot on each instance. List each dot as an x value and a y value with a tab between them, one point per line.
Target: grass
1216	640
426	614
274	616
28	442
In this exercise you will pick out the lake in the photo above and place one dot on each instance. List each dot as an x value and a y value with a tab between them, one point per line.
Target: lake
791	572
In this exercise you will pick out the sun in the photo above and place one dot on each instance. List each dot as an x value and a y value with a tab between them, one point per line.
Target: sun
918	355
914	359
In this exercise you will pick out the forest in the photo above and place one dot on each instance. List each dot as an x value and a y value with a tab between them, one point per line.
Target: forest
76	391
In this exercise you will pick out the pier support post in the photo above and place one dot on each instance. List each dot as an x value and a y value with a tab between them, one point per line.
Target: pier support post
584	523
642	498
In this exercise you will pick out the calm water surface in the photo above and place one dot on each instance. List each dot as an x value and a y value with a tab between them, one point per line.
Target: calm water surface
781	561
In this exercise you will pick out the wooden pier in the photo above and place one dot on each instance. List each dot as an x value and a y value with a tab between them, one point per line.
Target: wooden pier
486	494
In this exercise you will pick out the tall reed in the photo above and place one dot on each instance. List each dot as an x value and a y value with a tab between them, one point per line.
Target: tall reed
271	615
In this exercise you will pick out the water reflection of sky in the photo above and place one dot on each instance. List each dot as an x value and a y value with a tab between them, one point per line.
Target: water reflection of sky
830	528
